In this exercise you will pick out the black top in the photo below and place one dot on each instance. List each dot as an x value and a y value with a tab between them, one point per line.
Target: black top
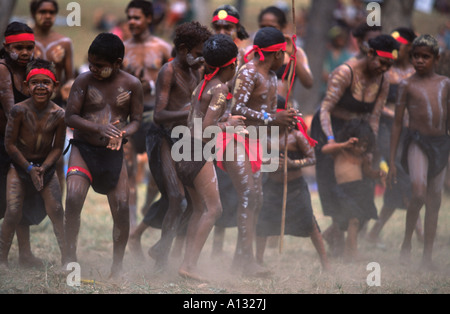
349	103
18	96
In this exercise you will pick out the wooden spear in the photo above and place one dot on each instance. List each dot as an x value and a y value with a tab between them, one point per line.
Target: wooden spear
291	73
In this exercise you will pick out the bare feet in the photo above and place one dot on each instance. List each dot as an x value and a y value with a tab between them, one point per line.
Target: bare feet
135	247
116	272
30	261
255	270
405	256
160	257
191	274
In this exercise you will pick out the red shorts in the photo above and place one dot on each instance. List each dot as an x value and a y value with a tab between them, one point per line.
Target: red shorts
252	146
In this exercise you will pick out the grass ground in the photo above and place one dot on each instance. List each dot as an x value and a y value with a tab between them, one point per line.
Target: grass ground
295	270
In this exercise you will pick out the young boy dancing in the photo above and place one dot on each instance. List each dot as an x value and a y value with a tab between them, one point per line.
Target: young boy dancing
35	135
352	166
174	87
255	98
209	103
426	97
104	107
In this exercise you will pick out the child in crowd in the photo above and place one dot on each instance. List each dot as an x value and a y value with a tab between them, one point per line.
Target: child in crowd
255	98
176	82
352	164
299	220
209	103
399	194
17	52
34	139
104	108
426	97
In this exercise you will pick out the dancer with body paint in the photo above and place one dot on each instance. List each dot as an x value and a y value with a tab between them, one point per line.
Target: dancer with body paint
34	139
399	194
356	89
426	97
174	86
104	108
272	16
55	48
145	54
209	104
17	52
226	20
255	98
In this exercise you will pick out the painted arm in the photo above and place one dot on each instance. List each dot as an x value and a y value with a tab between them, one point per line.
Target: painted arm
163	89
374	119
74	119
338	82
6	91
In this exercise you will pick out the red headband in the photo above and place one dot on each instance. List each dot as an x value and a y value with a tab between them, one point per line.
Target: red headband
399	38
390	55
303	128
208	77
293	61
259	50
41	71
18	38
224	16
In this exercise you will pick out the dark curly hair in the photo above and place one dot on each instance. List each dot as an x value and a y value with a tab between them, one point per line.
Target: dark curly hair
41	64
384	43
190	34
145	6
268	36
360	129
406	33
218	50
108	47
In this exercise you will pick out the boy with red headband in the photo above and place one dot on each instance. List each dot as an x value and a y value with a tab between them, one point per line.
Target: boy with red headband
55	48
226	21
209	103
255	98
17	52
34	139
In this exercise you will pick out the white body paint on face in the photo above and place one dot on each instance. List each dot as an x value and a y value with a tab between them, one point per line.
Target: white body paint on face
106	72
14	56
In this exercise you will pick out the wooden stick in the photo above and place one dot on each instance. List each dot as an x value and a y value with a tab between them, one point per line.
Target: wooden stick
283	211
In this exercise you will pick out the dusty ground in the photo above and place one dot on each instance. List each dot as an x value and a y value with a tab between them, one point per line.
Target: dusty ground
295	270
